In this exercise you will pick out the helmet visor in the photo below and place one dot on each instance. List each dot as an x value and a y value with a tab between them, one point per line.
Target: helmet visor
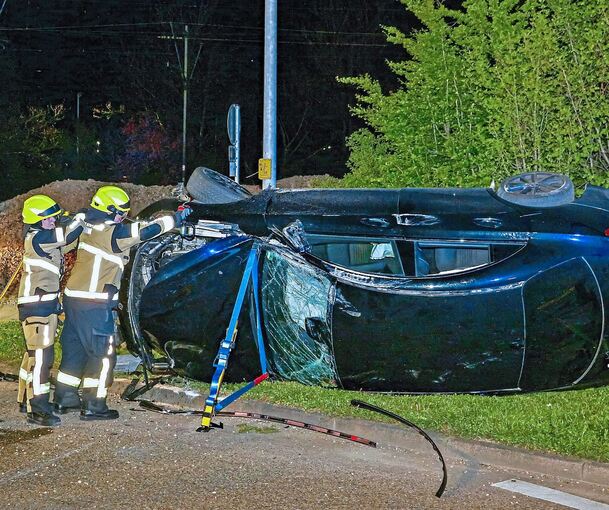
122	210
51	211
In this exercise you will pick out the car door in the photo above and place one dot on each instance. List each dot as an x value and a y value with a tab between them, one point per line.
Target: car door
565	321
453	328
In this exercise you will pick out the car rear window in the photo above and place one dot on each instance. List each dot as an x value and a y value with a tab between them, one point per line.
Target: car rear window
438	258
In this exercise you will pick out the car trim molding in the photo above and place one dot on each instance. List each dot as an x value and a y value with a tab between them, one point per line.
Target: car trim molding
600	341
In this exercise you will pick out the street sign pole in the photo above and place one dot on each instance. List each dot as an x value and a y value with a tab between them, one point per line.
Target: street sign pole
233	126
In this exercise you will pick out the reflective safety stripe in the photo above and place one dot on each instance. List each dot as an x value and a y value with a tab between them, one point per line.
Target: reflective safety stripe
36	299
89	382
102	391
97	251
68	379
95	273
40	263
77	219
27	287
89	295
25	375
37	370
59	235
168	223
28	299
47	337
135	229
45	388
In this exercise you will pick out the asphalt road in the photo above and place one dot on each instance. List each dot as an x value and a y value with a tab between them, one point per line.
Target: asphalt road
148	460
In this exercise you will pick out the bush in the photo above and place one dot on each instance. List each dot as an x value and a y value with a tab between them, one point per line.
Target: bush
496	88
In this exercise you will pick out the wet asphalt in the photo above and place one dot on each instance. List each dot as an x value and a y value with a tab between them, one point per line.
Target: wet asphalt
147	460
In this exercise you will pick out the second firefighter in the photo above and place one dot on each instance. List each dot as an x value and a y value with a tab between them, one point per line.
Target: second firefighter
88	338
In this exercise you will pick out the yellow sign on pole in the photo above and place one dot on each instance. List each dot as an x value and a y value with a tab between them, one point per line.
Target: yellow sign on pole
264	169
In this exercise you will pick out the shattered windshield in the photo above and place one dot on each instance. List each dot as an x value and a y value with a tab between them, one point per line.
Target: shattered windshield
297	300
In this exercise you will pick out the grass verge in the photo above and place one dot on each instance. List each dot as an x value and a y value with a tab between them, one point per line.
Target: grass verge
12	345
572	423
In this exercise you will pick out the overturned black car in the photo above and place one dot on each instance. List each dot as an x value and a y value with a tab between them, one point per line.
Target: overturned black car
403	290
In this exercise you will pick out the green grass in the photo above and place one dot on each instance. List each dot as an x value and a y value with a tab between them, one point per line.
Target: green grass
569	423
12	345
574	423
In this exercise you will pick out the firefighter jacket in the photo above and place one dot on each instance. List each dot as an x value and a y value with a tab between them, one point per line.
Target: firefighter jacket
103	252
43	267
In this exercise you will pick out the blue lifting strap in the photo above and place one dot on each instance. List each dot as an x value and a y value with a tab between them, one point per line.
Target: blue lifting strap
228	344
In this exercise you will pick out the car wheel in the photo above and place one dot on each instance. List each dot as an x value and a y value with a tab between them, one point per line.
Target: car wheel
537	189
210	187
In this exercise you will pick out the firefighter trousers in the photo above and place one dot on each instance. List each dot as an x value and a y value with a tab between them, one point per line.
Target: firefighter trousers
35	370
88	354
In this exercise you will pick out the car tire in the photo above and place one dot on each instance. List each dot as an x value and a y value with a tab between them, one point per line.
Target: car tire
537	189
210	187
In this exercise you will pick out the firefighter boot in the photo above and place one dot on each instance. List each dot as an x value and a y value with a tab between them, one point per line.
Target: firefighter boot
41	412
68	402
43	419
96	409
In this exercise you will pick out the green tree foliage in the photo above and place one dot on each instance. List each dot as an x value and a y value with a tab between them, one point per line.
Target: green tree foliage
493	89
30	144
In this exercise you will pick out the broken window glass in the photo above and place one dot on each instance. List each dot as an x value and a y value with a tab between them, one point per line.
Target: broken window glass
296	301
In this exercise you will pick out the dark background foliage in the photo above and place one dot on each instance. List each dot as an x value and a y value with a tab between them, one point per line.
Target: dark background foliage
120	56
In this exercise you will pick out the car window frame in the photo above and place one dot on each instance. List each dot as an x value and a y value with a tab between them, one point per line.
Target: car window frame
521	244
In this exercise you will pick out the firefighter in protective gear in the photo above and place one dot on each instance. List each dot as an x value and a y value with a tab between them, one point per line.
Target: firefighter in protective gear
88	339
38	301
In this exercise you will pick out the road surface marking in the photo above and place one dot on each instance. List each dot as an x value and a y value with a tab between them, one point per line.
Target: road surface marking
552	495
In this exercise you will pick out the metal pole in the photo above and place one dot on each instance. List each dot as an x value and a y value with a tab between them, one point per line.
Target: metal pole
185	85
269	144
